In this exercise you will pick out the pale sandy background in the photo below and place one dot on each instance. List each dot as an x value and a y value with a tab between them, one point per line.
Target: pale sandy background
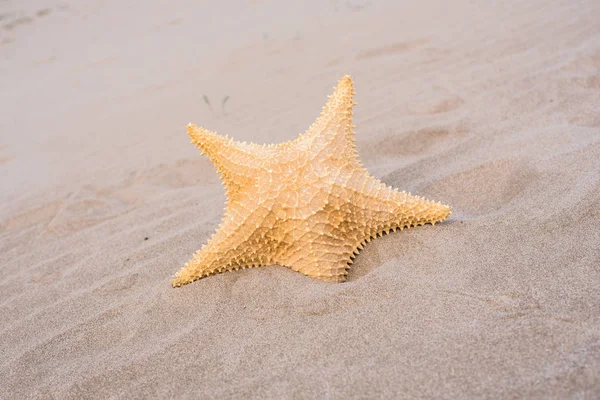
492	107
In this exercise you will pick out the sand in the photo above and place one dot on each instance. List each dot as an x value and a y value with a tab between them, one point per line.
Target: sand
491	107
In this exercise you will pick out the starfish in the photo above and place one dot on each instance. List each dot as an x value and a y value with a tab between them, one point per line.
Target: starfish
307	204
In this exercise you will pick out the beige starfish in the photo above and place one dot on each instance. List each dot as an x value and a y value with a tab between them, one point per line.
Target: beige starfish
307	204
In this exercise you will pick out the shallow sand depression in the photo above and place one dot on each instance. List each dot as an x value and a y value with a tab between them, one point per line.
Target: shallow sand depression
492	109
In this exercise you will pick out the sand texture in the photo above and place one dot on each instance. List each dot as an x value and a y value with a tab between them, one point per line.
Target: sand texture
490	107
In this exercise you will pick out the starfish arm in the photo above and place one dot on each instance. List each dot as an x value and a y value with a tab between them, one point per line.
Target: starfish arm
232	247
323	252
237	163
386	209
331	136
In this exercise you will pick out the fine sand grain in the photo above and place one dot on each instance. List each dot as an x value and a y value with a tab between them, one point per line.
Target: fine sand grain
491	107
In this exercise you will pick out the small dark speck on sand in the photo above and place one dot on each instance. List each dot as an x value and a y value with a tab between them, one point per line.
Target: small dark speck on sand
146	238
43	12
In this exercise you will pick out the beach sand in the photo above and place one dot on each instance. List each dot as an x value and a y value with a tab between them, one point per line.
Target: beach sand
491	108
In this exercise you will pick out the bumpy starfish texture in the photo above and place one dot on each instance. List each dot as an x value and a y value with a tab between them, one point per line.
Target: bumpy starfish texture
307	204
